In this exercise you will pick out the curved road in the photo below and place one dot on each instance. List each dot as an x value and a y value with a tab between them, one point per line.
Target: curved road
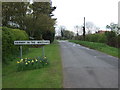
87	68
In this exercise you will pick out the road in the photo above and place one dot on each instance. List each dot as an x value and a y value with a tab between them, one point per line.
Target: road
87	68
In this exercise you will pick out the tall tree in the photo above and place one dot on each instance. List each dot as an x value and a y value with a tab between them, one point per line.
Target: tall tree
13	14
44	24
36	18
113	27
77	29
62	29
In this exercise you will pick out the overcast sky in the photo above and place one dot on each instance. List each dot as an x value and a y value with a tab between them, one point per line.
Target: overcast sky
70	13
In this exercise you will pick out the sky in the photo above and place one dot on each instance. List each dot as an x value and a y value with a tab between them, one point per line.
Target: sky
70	13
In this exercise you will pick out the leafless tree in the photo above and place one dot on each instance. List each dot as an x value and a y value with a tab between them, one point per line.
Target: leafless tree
91	27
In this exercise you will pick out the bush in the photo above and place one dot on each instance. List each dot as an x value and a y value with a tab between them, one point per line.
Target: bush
9	50
101	38
111	38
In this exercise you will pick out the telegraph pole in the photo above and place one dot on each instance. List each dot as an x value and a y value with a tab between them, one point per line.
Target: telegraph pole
84	29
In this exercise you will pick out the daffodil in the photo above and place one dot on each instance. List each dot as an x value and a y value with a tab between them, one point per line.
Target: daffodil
32	60
26	63
45	57
36	60
18	62
21	60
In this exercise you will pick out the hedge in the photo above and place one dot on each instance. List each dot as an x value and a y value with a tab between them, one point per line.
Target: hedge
110	38
9	50
101	38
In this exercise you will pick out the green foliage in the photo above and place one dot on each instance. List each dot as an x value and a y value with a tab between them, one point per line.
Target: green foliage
66	34
9	50
14	12
111	38
42	8
96	38
34	18
48	35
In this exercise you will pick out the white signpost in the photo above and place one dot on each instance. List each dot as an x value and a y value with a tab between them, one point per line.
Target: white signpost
31	42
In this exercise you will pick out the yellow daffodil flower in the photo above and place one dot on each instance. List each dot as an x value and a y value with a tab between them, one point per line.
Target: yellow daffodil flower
21	60
18	62
26	63
45	57
36	60
32	60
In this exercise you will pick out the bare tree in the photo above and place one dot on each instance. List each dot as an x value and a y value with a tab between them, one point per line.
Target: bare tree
77	29
91	27
62	28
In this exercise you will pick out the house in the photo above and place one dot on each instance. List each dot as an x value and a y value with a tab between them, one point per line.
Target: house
101	31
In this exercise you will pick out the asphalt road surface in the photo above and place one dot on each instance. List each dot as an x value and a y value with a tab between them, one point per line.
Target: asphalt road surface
87	68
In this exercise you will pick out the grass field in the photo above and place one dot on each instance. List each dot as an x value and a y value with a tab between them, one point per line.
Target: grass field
99	46
47	77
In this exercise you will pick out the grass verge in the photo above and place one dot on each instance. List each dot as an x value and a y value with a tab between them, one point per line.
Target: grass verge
99	46
47	77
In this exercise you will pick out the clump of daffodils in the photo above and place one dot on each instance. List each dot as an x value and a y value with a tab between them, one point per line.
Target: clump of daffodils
31	63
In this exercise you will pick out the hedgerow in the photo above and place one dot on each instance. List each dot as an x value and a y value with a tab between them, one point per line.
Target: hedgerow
9	50
96	38
110	38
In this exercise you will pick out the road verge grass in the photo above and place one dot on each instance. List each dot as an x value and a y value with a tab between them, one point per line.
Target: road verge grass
47	77
98	46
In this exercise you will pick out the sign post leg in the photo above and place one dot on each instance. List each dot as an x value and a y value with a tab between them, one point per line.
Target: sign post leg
43	52
21	52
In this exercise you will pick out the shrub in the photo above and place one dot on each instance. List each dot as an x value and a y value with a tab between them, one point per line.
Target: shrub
9	50
111	38
101	38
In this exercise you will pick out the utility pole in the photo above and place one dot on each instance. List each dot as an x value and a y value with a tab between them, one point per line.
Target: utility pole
84	29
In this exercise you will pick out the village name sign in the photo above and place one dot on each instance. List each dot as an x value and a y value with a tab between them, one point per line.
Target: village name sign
31	42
